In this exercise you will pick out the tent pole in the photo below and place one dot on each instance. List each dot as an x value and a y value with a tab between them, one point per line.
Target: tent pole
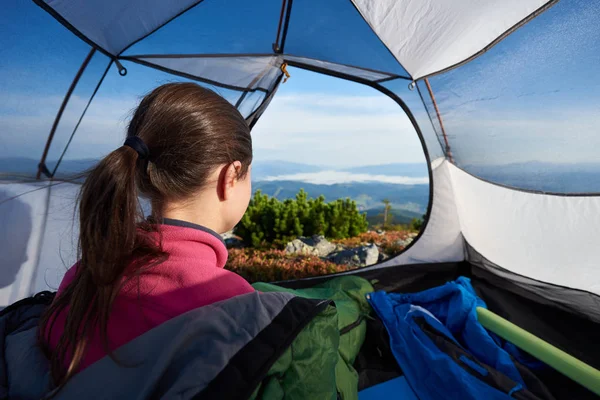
276	43
564	363
42	165
53	173
439	117
286	24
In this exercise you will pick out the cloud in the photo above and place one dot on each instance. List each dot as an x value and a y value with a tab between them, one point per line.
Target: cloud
332	177
320	129
327	103
336	130
311	128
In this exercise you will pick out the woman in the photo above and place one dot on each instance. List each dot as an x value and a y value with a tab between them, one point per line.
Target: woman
188	151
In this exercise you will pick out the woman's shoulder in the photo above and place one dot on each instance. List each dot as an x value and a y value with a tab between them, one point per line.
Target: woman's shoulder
220	284
68	278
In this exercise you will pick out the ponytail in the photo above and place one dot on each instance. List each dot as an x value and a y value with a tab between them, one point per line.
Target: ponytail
188	131
110	238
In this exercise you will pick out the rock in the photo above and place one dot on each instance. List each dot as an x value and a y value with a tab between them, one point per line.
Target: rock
345	257
404	242
371	254
228	235
383	257
297	246
358	257
316	245
232	241
322	247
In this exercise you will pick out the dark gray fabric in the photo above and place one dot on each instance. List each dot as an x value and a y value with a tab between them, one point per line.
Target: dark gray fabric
196	346
192	349
24	370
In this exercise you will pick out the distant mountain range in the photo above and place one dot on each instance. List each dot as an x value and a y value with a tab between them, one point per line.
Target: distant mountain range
373	183
397	216
28	166
411	198
264	169
543	176
260	169
408	201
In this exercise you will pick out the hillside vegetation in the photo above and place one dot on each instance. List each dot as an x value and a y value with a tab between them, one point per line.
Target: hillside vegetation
269	221
302	237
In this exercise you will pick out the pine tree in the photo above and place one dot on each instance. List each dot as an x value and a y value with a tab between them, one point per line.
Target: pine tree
269	221
386	212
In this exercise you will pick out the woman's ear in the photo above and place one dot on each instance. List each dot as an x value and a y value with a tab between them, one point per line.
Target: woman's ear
229	179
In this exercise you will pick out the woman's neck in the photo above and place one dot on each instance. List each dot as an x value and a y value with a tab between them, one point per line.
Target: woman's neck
196	213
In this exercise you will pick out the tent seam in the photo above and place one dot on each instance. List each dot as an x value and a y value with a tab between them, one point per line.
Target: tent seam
494	42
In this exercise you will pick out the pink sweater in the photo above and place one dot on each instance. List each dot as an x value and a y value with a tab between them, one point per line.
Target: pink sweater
192	277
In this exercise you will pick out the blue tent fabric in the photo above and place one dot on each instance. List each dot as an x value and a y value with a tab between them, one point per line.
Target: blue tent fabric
431	372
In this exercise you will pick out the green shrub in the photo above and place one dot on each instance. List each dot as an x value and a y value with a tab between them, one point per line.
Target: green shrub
417	223
270	221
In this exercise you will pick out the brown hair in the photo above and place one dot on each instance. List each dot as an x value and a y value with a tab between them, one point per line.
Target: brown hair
189	131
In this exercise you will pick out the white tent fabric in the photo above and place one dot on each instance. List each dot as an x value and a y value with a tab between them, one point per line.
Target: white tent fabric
553	239
47	246
549	238
241	72
441	241
369	75
40	237
511	228
428	36
425	36
247	72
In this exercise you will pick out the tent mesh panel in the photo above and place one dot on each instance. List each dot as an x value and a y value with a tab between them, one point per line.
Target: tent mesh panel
401	89
526	114
35	72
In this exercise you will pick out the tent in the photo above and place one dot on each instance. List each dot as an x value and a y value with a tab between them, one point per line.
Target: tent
504	96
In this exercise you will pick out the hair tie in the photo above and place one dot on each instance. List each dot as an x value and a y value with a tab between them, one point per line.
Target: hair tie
136	143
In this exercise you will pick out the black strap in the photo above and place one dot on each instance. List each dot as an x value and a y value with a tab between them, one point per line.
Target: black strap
136	143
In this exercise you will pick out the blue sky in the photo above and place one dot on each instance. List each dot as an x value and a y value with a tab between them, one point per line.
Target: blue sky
314	119
534	97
